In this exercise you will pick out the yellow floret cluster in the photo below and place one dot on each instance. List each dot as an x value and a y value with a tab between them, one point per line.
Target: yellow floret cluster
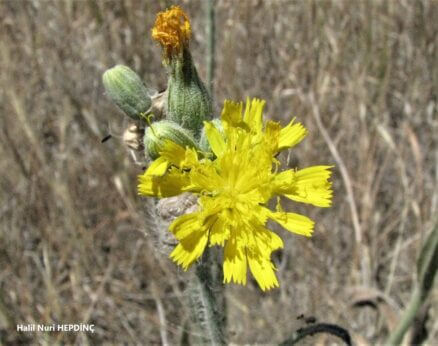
234	185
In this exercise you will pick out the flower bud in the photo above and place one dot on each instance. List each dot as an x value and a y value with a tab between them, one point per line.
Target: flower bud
157	134
188	102
126	90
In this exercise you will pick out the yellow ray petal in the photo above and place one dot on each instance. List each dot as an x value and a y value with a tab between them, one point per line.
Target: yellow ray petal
272	133
283	182
291	135
171	184
295	223
263	271
266	240
184	225
253	114
190	248
232	113
173	153
205	178
215	139
234	262
219	231
311	186
158	167
260	243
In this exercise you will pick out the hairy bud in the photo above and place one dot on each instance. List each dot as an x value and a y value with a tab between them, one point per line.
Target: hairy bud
157	134
126	90
188	102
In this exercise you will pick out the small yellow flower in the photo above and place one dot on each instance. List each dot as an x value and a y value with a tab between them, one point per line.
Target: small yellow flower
172	30
234	188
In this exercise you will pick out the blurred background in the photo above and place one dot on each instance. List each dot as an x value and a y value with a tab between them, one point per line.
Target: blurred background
74	248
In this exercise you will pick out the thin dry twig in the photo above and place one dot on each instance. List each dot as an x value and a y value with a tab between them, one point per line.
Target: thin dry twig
348	186
161	314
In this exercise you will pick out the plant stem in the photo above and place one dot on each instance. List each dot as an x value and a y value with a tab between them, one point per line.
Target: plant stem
210	17
206	312
427	266
409	314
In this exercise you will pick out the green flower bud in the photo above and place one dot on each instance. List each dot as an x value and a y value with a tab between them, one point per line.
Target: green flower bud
203	142
157	134
188	102
126	90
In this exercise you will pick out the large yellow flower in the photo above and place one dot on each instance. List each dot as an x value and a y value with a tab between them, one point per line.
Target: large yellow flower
234	186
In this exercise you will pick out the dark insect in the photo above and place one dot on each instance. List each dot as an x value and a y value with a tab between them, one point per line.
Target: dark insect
310	319
104	139
307	319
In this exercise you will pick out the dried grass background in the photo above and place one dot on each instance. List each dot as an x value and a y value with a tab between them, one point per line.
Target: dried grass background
74	245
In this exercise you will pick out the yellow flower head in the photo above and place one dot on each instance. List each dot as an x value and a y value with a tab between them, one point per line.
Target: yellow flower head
172	30
234	188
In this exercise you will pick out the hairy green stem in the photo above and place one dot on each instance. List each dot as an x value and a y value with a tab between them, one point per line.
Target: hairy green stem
206	312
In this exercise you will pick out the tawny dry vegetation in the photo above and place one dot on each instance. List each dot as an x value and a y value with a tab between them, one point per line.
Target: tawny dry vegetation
361	75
